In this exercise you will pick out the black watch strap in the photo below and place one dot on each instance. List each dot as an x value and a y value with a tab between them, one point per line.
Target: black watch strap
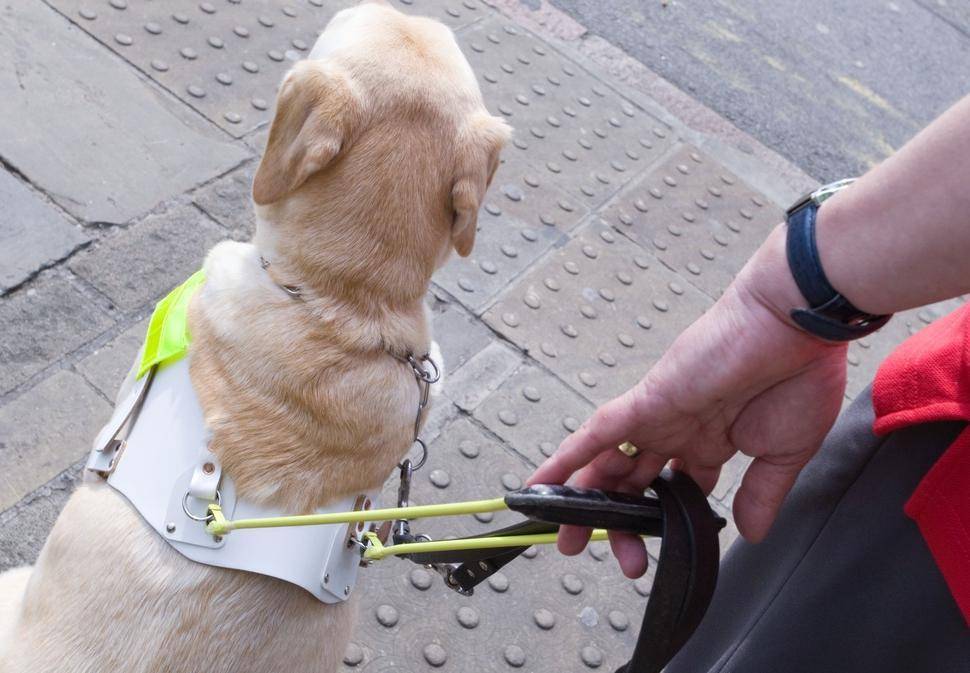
830	316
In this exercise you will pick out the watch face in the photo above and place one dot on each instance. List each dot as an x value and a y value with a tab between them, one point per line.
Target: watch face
826	191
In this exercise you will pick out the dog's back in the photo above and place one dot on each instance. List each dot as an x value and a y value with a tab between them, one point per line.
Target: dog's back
13	583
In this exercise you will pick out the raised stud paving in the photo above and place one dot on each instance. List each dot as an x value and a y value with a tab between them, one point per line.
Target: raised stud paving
225	58
597	312
542	613
698	218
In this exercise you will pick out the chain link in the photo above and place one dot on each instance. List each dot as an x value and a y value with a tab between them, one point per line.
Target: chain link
426	373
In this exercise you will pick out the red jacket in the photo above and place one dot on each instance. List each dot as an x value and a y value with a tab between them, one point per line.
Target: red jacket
928	379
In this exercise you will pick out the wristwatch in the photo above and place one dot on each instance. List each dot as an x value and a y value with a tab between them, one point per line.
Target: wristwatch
830	316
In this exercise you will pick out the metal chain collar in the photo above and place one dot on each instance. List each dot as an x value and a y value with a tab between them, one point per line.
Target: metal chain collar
425	377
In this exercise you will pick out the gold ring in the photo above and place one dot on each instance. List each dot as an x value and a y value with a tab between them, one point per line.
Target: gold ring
629	449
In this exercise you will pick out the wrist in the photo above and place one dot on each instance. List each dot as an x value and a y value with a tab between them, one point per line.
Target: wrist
841	258
767	278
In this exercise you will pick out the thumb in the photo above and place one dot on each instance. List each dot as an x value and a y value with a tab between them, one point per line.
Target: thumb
761	494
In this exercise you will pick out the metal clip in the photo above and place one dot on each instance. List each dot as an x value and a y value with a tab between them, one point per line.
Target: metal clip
427	376
401	531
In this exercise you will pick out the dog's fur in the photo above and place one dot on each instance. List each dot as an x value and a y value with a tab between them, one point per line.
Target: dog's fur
377	161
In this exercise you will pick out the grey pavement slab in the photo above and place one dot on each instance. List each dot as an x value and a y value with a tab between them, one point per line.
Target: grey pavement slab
138	264
459	335
953	12
523	216
229	202
33	234
126	148
571	128
24	527
44	430
43	322
485	372
106	367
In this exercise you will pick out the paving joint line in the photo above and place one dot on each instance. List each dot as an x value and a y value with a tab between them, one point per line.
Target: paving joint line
72	475
9	167
940	17
124	321
527	359
53	264
210	218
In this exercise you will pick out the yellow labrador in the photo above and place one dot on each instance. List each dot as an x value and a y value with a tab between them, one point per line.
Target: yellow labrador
377	161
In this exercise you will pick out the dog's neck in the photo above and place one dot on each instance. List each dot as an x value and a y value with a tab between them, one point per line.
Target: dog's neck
384	298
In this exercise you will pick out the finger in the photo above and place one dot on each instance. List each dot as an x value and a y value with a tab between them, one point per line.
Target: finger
705	476
607	428
762	491
613	466
573	539
630	552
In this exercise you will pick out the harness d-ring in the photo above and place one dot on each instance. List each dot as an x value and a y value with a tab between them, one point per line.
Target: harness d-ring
424	455
423	374
195	517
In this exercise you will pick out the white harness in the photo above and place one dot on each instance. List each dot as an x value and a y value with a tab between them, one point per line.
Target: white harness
166	471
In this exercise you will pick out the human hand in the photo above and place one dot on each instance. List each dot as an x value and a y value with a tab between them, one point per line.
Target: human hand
741	378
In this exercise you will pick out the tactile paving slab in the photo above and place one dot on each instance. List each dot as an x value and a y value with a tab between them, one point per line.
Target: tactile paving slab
542	612
697	217
576	143
570	126
224	58
521	219
533	412
597	312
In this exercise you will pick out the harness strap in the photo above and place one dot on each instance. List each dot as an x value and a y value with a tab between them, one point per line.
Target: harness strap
110	442
207	474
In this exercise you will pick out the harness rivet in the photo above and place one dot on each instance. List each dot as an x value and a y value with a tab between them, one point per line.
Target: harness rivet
208	468
346	591
483	566
326	578
170	527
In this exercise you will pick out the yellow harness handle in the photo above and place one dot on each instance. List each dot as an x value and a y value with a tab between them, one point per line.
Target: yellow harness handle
220	525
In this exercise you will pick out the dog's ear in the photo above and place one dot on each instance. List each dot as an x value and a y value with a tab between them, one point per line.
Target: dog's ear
317	112
479	144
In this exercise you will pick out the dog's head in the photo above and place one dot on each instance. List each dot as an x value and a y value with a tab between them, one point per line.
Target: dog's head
386	109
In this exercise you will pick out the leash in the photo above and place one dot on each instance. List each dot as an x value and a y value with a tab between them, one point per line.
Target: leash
678	513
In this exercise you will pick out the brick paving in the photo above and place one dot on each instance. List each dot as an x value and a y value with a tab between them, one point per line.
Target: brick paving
133	132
